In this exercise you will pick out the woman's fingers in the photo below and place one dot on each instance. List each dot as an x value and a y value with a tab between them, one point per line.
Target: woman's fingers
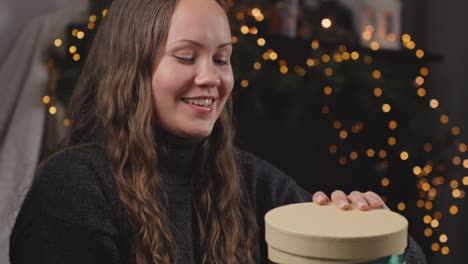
340	200
359	200
374	200
320	198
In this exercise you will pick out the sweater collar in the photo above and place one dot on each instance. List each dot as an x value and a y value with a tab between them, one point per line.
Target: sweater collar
176	156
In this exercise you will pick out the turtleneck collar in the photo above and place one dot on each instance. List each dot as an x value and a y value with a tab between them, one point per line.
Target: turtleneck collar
176	156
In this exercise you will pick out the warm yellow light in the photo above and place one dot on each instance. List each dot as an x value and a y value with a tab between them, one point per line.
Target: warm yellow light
75	32
435	247
456	160
325	110
434	103
419	80
453	210
376	74
346	55
410	44
370	153
417	171
455	131
273	55
52	110
244	29
392	124
342	161
342	48
343	134
405	37
453	184
426	186
385	182
354	55
427	219
428	205
353	155
314	44
326	23
420	53
391	141
284	69
378	92
421	92
327	90
310	62
46	99
72	49
338	58
92	18
259	18
404	155
325	58
420	203
401	206
445	250
104	12
465	180
435	223
234	39
257	66
261	42
80	35
386	108
456	193
333	148
91	25
328	72
428	232
244	83
444	119
366	35
382	153
391	37
424	71
253	30
462	147
58	42
66	122
256	12
76	57
374	46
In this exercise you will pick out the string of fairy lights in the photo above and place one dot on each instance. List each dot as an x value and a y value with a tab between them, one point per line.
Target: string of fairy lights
428	185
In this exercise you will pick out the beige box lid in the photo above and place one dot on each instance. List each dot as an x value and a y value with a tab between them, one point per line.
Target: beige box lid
307	230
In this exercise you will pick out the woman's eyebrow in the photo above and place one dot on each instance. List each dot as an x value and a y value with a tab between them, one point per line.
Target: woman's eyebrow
198	44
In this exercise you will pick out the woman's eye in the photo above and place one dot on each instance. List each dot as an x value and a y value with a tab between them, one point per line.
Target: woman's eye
221	62
185	59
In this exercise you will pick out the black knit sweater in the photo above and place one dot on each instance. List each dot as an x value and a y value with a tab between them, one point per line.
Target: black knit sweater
72	213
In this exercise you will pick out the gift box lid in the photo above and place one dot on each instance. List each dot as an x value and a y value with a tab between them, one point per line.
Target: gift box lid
307	230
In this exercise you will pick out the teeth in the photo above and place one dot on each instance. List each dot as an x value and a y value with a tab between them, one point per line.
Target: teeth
201	102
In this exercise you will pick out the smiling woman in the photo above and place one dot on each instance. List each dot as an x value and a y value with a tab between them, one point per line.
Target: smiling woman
149	172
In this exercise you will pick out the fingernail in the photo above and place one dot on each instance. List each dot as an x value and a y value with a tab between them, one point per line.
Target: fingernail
320	199
361	205
342	204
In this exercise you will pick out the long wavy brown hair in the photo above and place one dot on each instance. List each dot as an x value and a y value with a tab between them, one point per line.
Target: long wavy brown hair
113	107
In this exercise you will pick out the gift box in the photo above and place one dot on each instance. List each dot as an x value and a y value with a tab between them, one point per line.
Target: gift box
307	233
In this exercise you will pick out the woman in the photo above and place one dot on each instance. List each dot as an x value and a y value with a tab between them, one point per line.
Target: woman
150	173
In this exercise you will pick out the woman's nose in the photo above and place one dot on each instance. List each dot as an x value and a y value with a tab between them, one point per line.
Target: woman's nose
207	76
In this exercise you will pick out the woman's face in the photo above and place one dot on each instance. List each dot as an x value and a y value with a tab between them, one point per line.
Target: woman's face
193	79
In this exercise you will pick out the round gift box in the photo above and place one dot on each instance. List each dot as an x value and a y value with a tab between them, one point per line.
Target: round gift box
306	233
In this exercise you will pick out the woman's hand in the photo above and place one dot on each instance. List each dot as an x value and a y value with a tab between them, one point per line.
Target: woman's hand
363	201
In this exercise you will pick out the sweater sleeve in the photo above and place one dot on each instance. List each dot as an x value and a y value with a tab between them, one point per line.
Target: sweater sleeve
66	216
